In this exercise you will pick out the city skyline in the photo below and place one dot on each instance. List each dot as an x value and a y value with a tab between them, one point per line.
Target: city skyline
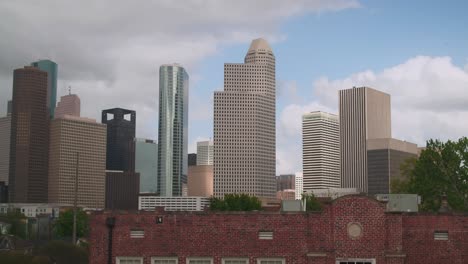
396	63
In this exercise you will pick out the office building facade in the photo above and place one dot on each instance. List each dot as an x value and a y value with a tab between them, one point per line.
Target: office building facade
146	163
51	68
173	129
77	145
120	139
200	180
245	125
69	105
5	130
192	159
29	139
321	150
122	190
299	185
364	114
205	150
384	160
285	182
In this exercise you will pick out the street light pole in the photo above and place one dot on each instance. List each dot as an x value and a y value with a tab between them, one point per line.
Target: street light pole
76	197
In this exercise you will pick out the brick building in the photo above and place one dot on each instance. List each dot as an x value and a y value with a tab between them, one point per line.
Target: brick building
351	229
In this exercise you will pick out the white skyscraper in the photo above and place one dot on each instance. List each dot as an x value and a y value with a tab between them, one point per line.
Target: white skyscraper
299	185
245	125
173	130
320	150
205	150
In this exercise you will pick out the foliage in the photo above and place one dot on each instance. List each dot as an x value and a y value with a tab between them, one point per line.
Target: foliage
15	258
18	223
64	224
235	202
442	168
312	204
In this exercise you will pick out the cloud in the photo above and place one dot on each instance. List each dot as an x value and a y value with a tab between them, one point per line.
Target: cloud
429	100
110	51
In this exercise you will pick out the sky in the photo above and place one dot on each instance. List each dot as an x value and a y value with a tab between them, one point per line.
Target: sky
109	52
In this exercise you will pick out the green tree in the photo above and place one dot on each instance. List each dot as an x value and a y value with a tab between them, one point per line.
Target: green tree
312	204
18	223
64	224
442	168
235	202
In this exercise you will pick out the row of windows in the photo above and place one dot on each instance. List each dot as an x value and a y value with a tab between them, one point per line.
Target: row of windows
175	260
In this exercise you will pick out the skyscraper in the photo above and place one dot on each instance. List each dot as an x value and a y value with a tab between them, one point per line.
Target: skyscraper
69	136
173	129
364	114
51	68
321	150
5	129
69	105
120	139
29	144
146	163
299	185
205	151
245	125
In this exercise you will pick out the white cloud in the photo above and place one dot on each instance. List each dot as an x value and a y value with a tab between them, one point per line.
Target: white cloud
429	100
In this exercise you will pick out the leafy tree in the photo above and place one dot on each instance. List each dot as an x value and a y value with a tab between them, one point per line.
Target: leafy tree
64	224
235	202
442	168
312	204
18	223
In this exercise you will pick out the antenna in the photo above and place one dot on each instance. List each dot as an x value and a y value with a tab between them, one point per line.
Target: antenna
69	90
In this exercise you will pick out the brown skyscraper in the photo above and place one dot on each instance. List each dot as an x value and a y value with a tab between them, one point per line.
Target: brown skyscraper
68	105
29	148
70	135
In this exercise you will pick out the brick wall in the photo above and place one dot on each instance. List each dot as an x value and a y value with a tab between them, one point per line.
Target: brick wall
350	227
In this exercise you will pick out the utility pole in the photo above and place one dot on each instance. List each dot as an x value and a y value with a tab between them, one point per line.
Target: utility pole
76	197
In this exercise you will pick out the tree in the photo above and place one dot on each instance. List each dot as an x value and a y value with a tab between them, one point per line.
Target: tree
442	168
64	224
312	204
235	202
18	223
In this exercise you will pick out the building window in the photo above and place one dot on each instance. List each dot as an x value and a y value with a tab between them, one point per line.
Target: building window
235	261
164	260
129	260
441	235
356	261
271	261
199	261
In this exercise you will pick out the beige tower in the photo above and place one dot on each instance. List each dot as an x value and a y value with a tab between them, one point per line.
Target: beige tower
68	105
245	125
365	114
70	135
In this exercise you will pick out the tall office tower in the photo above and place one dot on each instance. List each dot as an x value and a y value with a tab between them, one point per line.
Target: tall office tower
120	135
385	157
205	150
51	68
10	107
245	125
173	129
122	190
321	150
299	185
285	182
72	136
68	105
192	159
5	129
146	163
364	114
200	180
29	139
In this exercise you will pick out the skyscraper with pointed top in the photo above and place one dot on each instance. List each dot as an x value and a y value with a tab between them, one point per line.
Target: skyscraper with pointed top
245	125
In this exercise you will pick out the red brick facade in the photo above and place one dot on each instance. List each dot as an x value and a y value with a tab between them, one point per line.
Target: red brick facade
352	227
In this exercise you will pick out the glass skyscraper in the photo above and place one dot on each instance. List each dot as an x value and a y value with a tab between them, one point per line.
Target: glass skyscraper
173	129
146	163
51	68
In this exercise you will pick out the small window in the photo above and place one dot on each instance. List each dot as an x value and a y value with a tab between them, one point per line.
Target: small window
235	261
164	260
441	235
271	261
199	261
137	233
129	260
265	235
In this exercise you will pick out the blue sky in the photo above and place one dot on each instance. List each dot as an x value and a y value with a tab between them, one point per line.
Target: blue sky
110	51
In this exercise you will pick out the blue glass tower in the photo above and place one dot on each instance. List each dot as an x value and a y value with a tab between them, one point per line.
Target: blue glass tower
51	68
